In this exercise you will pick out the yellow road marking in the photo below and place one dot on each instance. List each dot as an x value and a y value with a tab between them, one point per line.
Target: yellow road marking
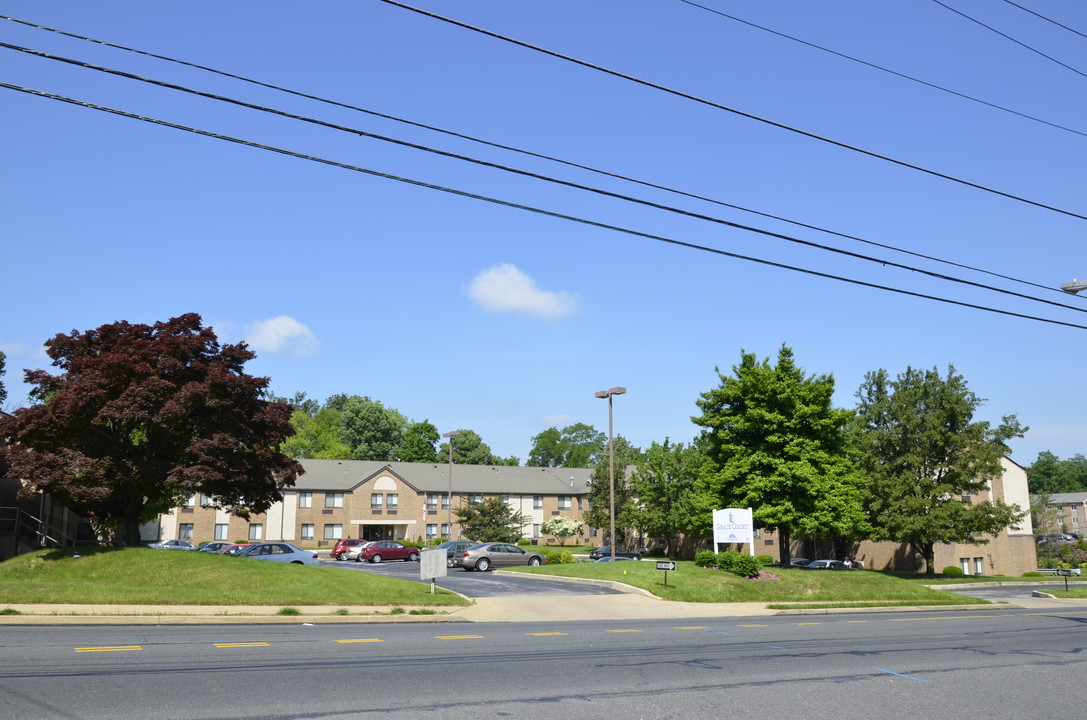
620	631
547	633
459	637
239	645
113	648
856	621
692	627
360	640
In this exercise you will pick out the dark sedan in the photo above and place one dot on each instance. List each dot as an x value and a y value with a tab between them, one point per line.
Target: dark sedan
606	552
453	548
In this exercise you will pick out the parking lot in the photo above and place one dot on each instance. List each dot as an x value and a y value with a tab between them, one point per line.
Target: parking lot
475	584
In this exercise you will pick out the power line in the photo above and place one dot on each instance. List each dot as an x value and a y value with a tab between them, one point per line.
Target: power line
1047	19
536	176
1009	37
741	113
527	208
528	153
904	76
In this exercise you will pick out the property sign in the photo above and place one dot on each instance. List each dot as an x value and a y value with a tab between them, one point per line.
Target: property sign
666	565
733	525
432	566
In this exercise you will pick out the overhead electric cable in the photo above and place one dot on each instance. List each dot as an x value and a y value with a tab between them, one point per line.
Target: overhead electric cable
1009	37
536	176
904	76
1047	19
741	113
529	153
527	208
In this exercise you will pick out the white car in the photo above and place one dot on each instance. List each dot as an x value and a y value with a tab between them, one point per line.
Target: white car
172	545
280	552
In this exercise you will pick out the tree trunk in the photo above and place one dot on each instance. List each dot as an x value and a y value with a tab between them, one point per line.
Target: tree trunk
785	552
132	532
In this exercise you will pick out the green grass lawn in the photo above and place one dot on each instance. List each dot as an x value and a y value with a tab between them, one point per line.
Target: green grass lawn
806	588
138	576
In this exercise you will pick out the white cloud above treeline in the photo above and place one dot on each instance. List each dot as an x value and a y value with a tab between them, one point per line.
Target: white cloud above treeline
504	288
281	335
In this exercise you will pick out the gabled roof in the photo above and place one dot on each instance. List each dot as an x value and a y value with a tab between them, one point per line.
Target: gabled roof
346	475
1067	498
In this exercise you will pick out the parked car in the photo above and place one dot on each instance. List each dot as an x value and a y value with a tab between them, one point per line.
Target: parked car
609	558
280	552
453	548
827	565
172	545
342	545
234	549
354	552
214	547
484	556
388	550
606	552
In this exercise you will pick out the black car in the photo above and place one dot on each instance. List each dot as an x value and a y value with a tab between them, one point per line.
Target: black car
606	552
453	548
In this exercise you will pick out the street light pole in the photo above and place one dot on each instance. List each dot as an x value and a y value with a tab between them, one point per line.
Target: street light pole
611	462
1074	287
449	498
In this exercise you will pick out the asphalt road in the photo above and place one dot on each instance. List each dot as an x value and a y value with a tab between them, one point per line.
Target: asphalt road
476	584
961	665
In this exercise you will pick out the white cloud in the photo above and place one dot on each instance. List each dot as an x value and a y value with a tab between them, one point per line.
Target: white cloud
504	288
558	421
281	335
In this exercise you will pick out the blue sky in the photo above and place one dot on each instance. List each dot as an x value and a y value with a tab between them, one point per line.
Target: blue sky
482	316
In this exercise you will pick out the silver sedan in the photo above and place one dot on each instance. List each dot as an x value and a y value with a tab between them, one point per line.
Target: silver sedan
487	555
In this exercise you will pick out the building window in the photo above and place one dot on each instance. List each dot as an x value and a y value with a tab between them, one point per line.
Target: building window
206	500
184	531
579	501
189	501
445	502
536	530
305	499
964	563
256	531
333	500
537	502
564	502
392	501
476	498
307	531
431	531
446	530
432	501
592	532
979	566
333	532
222	531
375	501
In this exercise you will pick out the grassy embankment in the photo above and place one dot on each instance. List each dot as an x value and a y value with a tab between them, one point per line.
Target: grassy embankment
138	576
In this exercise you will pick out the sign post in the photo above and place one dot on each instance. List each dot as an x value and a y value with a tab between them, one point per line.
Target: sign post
1064	573
666	565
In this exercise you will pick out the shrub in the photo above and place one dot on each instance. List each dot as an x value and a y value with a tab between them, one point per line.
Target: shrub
765	560
524	543
738	563
705	558
952	570
412	543
557	557
1034	573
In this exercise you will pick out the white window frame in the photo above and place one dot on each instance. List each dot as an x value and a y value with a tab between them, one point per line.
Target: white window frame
333	500
307	531
222	531
256	531
333	531
305	499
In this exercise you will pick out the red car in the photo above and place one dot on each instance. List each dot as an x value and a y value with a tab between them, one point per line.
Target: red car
342	545
388	550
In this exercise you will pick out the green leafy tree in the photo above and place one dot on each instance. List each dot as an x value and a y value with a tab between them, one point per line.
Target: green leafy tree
598	514
777	446
316	436
298	401
371	430
925	458
1049	474
491	520
577	445
141	417
666	484
419	444
561	527
469	449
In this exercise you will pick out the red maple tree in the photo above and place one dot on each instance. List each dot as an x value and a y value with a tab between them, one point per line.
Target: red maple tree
143	416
